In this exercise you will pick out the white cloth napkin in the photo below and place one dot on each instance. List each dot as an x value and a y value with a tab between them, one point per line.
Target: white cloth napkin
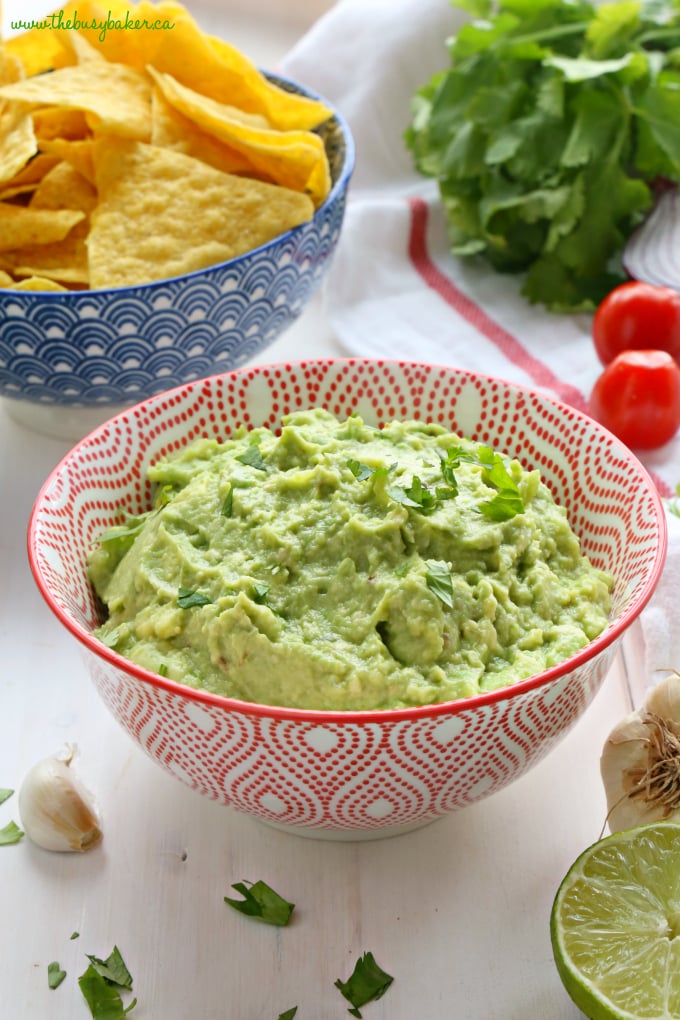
395	291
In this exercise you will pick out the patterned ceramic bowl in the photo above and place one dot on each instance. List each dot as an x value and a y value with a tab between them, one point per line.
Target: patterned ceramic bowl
351	774
100	351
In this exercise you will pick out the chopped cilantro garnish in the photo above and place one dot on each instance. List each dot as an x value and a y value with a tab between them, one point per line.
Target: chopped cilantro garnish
259	594
359	470
252	456
55	975
262	903
228	504
75	935
366	983
439	581
113	969
11	833
188	599
289	1014
101	984
5	795
102	997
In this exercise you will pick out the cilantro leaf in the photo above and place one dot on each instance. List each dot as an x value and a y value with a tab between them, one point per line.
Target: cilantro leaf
10	833
262	903
289	1014
366	983
55	975
188	599
546	133
102	997
359	470
439	580
113	969
260	593
5	795
228	504
252	456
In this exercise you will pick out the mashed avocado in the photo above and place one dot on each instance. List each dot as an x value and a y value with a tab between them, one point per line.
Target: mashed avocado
341	566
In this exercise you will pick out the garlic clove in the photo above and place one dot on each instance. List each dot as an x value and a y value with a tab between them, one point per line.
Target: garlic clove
57	812
640	761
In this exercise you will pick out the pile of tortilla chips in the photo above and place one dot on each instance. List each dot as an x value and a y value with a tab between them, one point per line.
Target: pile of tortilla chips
134	147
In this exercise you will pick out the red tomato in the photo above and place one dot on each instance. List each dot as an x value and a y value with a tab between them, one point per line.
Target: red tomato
637	397
637	316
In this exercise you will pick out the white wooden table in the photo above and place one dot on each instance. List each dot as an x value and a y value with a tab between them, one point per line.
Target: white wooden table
457	912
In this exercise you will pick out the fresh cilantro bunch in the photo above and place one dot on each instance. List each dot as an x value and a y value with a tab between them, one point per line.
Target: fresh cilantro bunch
548	134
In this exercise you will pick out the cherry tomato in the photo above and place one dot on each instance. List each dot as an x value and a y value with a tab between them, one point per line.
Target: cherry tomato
637	397
637	316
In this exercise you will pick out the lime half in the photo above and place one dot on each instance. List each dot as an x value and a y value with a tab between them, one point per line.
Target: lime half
615	926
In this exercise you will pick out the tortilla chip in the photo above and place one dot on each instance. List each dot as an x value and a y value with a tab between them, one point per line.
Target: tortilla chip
203	63
5	279
162	213
64	188
81	49
59	122
17	141
170	129
116	98
33	283
11	68
294	159
20	226
29	176
77	153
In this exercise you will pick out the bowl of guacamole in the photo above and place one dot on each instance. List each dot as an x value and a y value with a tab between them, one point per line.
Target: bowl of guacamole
337	566
348	596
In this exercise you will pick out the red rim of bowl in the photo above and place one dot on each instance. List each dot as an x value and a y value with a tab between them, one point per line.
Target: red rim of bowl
590	651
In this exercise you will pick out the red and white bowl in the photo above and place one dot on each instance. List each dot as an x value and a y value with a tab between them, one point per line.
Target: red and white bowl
350	775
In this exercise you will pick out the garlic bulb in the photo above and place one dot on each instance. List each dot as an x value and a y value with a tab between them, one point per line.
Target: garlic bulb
640	762
57	812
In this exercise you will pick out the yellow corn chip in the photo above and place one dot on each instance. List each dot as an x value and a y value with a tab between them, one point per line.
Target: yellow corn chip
33	283
17	141
64	188
11	68
5	279
294	159
29	176
162	213
81	49
115	97
59	122
201	62
77	153
20	226
170	129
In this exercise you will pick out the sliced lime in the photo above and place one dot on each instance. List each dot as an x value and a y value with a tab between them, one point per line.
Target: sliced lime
615	926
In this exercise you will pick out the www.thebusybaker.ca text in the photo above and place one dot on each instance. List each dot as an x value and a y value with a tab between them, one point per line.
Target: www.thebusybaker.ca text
57	21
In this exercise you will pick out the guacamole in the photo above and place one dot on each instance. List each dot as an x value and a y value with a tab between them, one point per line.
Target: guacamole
341	566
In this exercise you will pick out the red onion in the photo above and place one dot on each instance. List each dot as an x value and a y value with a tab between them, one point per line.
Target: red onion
652	252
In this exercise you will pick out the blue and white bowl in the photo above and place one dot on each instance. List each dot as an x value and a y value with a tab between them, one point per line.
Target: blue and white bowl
64	354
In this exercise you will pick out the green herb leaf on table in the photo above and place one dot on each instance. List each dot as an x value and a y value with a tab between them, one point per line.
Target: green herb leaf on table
102	983
188	599
289	1014
262	903
113	969
103	998
5	795
55	975
74	935
367	982
10	833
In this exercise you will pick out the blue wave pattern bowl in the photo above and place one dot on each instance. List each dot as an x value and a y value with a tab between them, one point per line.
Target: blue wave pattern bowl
108	349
